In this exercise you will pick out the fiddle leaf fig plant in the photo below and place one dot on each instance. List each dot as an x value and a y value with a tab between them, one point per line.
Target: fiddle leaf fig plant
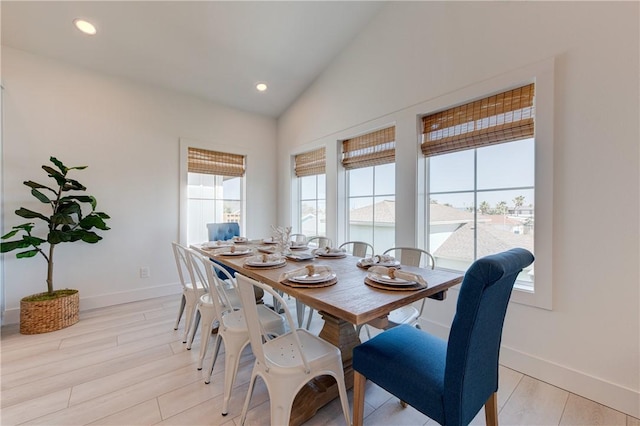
70	217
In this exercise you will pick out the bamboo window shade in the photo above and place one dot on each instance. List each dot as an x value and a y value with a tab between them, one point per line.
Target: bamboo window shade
215	163
500	118
311	163
373	149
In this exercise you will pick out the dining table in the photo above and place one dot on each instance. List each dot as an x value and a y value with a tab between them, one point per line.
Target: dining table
347	301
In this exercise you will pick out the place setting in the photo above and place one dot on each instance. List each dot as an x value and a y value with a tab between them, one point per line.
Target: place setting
310	276
385	260
384	278
234	251
329	253
265	261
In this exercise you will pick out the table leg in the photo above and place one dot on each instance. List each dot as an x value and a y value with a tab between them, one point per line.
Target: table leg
322	390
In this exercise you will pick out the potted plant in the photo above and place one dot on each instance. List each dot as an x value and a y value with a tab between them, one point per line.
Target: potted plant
65	222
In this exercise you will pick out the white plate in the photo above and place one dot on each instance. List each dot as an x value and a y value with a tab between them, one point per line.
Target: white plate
388	264
385	279
299	257
236	253
299	247
315	278
269	241
267	249
257	261
325	254
216	244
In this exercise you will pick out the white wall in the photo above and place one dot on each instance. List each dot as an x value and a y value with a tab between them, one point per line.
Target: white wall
416	52
128	134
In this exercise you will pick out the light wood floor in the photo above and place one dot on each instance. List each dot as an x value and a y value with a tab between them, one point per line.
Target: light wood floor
125	365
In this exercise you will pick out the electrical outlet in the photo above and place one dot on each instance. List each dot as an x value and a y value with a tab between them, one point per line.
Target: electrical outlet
145	272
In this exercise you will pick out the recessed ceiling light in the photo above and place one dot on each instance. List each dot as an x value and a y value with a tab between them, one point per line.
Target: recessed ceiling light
261	87
85	26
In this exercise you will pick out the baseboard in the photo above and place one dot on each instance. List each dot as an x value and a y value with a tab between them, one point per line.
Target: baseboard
580	383
12	316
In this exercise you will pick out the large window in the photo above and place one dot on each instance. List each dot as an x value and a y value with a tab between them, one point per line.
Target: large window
370	163
480	159
310	171
214	191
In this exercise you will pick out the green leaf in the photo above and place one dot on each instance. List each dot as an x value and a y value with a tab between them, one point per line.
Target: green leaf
10	234
102	215
34	241
69	208
8	246
73	185
35	185
94	202
29	253
59	164
80	198
93	220
91	237
40	196
78	168
62	219
57	237
29	214
60	179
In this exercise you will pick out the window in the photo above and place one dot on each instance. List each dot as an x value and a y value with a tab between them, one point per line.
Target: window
480	162
370	164
310	171
214	191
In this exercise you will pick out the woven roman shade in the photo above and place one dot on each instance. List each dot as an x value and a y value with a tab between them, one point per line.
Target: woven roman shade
311	163
372	149
215	163
500	118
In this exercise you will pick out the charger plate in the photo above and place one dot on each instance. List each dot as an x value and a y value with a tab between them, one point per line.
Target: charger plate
310	285
381	286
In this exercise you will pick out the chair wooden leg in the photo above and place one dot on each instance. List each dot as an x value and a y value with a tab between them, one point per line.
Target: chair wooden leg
359	382
491	410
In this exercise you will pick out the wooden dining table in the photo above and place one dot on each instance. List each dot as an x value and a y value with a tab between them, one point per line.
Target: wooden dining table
346	304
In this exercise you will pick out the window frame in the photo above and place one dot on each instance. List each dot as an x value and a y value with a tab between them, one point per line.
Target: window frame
185	144
542	74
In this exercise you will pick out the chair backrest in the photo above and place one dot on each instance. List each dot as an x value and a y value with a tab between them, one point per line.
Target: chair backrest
298	238
185	271
256	333
207	271
223	231
358	248
320	242
471	371
412	256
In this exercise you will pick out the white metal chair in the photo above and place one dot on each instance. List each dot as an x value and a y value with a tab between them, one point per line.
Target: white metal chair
298	239
287	362
408	314
191	289
319	242
232	325
358	248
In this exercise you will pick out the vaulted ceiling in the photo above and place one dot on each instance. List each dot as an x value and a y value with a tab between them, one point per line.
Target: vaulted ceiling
214	50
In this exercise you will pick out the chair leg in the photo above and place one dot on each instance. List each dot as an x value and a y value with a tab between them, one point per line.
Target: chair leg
491	410
359	382
216	349
180	312
245	407
309	318
193	329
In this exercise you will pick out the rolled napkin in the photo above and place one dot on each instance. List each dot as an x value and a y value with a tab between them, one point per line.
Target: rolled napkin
374	260
265	257
307	270
396	273
328	250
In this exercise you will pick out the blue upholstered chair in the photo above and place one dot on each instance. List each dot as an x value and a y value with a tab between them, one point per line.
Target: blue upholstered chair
447	381
223	231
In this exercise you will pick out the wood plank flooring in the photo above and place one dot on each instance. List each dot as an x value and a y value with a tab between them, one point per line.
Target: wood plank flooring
125	365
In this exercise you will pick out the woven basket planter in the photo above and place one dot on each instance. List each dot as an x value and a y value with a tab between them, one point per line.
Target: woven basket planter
43	316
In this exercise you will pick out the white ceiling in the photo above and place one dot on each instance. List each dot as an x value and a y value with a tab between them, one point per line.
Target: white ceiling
214	50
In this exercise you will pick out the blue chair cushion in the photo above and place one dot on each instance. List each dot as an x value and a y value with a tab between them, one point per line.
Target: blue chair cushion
421	385
223	231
